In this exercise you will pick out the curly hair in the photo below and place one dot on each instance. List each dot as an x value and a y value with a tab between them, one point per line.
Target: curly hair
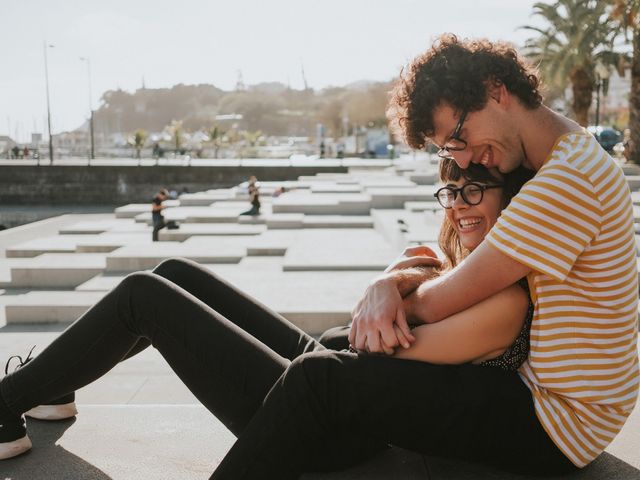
457	72
512	182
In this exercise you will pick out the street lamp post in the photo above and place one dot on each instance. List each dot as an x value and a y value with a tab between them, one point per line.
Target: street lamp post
46	78
92	148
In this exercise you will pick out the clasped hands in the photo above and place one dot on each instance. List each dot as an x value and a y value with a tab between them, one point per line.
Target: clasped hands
379	322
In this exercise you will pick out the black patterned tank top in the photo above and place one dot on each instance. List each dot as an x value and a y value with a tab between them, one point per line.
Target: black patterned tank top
518	352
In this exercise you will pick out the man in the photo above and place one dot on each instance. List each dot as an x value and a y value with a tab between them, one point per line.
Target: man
570	231
156	212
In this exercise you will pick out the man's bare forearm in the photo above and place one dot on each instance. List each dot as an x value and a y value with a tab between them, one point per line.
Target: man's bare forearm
409	279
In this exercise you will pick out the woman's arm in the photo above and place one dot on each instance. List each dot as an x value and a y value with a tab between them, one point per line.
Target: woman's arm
482	331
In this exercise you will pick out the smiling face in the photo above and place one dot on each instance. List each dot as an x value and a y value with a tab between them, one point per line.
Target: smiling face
489	133
473	222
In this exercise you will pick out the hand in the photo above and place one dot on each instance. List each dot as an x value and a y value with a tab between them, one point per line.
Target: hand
374	317
418	256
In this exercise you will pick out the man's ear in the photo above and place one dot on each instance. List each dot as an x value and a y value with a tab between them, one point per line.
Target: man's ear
499	93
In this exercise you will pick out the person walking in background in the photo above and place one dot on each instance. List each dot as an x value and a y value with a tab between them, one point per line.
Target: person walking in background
156	212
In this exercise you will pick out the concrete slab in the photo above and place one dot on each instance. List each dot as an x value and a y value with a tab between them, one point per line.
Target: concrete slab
339	249
337	221
401	227
133	209
433	206
423	178
132	258
38	246
396	197
6	264
328	187
204	199
284	220
102	226
326	204
193	229
125	442
633	181
49	306
57	270
108	242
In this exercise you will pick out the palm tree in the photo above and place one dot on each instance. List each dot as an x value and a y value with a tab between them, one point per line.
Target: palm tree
627	14
216	136
176	132
577	36
139	139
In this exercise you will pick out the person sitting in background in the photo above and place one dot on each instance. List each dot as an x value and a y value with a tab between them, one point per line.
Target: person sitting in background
156	212
254	197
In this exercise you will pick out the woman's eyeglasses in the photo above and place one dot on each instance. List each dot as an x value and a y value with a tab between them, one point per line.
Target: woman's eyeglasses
471	193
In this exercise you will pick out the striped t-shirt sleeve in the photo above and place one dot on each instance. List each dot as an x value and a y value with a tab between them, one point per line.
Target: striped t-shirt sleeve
550	222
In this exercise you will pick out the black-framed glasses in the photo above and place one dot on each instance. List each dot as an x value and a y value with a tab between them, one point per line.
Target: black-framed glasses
454	143
471	193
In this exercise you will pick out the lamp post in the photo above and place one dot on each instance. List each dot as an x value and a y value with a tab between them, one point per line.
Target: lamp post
46	79
92	148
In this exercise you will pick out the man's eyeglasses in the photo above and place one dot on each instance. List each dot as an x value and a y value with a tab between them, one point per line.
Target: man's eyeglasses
454	143
471	193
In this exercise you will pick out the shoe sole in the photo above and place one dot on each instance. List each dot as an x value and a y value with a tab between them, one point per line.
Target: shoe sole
53	412
15	448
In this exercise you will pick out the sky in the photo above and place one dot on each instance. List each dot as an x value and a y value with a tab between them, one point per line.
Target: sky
164	43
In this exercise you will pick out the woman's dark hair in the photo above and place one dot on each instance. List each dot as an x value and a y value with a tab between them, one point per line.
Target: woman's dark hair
458	73
512	182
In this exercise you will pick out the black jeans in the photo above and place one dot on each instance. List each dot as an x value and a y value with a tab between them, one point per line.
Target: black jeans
294	405
158	224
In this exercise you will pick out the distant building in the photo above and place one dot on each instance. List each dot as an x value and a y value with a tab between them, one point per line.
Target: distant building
6	144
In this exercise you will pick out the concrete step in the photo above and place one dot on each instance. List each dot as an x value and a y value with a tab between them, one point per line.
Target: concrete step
57	270
133	209
339	250
108	242
194	229
325	204
115	225
132	258
396	197
49	306
204	199
38	246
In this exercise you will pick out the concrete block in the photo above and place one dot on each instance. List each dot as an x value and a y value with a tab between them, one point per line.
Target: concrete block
337	221
423	178
49	306
132	258
326	204
396	197
433	206
57	270
108	242
133	209
188	230
38	246
339	250
633	181
204	199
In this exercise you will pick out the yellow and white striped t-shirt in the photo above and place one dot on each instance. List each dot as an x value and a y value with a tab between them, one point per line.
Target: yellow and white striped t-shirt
573	225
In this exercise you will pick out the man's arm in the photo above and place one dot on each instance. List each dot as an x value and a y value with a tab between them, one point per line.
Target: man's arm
485	272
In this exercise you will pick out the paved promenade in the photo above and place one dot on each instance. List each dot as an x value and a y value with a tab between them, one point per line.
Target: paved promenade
325	238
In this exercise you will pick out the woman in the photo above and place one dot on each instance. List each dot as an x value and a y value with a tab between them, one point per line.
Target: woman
270	383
